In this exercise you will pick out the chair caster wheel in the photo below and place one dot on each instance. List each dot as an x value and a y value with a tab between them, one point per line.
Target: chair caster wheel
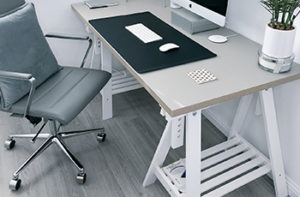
15	184
101	137
81	178
9	144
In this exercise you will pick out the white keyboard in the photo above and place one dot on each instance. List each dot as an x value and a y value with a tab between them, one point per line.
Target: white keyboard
143	33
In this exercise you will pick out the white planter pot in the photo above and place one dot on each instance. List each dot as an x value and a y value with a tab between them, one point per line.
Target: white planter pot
278	43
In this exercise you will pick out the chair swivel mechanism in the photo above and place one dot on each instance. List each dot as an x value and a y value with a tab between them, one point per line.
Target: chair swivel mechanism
34	86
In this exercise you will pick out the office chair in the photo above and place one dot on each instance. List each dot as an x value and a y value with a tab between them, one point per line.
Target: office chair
34	86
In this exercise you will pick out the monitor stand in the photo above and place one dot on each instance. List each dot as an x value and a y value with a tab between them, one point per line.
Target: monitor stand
191	22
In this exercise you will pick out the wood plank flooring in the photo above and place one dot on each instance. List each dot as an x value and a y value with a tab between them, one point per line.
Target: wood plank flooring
115	168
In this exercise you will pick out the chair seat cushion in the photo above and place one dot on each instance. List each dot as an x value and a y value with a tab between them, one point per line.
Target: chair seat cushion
23	48
63	96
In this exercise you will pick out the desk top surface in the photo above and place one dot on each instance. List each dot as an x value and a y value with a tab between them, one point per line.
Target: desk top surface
146	57
235	67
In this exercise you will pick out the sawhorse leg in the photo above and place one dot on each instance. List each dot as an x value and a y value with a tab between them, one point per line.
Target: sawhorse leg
102	59
193	148
106	65
272	136
240	115
193	154
159	156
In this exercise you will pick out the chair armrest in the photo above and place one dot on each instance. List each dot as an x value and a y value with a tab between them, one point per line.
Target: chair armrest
73	37
15	75
67	36
22	77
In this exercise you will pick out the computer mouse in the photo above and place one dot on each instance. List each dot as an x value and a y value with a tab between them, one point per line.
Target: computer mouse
168	47
217	38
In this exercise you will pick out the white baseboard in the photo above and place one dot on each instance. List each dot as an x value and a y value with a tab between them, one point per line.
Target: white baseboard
293	188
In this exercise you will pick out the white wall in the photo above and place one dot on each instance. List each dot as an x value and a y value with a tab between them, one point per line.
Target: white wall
249	18
57	16
244	16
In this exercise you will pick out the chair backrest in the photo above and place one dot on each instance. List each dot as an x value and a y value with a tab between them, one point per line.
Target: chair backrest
8	5
23	48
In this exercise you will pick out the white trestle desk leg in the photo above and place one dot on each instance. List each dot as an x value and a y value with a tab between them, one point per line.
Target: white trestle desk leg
160	155
240	115
193	154
96	53
106	64
272	135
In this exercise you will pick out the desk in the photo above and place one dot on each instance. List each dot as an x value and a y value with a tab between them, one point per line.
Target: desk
182	100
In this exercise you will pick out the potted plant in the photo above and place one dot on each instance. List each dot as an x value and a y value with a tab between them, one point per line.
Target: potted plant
280	31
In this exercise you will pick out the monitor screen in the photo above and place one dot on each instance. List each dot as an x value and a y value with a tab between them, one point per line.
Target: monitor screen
219	6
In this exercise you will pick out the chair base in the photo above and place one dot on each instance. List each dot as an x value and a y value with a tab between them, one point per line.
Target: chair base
56	138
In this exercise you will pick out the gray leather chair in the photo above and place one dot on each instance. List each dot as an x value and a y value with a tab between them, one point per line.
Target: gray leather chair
34	86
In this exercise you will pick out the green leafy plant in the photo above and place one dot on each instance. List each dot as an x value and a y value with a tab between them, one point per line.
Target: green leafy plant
283	12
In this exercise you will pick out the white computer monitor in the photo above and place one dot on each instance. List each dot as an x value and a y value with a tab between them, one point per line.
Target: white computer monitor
212	10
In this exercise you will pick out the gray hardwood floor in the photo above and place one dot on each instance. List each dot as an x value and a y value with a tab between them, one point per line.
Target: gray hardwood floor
114	168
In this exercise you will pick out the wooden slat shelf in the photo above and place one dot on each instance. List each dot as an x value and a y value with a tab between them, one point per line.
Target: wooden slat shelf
123	81
225	167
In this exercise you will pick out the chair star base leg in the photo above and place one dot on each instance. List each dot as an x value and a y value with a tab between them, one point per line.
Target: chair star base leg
57	138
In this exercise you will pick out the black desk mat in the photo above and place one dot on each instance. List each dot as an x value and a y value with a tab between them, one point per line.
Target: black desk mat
147	57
